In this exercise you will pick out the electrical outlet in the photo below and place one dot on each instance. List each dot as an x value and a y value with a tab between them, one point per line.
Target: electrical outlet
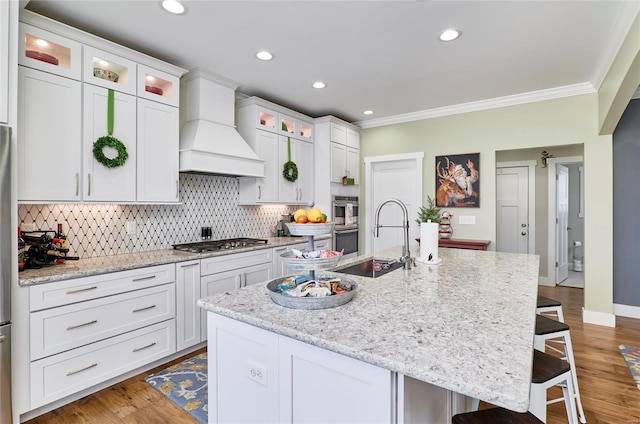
466	220
131	228
257	373
28	226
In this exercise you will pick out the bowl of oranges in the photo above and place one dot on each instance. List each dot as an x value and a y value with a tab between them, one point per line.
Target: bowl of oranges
310	222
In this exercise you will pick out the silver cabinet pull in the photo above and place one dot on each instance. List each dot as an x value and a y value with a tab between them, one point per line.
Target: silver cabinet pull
150	277
177	188
77	184
89	184
82	290
3	338
80	370
259	192
73	327
188	265
144	309
144	347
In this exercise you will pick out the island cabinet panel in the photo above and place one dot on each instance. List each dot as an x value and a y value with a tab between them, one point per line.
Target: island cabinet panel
317	385
243	367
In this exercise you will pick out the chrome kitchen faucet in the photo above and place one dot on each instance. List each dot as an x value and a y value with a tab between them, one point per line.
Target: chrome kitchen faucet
406	258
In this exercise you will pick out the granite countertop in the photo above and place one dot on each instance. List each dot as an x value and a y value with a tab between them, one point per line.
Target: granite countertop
465	325
123	262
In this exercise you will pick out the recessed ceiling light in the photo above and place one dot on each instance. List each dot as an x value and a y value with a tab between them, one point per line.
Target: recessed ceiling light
173	6
318	84
367	112
264	55
450	35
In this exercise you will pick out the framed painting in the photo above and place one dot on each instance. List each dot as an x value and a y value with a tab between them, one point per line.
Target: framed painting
458	181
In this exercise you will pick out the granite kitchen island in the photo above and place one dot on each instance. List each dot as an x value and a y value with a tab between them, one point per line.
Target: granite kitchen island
412	345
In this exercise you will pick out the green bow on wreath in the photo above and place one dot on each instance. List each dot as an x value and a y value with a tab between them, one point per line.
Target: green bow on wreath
290	172
110	141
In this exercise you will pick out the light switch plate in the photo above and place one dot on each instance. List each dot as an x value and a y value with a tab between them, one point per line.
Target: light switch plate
466	219
131	228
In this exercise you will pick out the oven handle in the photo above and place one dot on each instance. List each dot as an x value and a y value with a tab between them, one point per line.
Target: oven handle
353	230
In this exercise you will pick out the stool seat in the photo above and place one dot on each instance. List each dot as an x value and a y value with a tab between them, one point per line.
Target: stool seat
546	325
546	367
495	416
545	302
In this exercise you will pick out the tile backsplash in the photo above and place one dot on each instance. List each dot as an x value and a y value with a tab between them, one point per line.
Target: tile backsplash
206	200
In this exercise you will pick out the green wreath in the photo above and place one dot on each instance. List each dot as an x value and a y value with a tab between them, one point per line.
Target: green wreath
109	141
290	172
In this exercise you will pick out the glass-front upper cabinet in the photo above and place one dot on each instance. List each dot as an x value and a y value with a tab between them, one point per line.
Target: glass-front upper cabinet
109	71
43	50
305	130
158	86
267	120
287	126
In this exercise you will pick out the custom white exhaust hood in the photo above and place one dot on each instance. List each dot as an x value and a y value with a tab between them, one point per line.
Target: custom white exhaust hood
209	142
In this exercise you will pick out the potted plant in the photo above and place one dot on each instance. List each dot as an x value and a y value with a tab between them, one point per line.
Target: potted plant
429	213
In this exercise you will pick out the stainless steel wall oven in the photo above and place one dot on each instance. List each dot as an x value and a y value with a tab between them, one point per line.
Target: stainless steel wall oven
345	232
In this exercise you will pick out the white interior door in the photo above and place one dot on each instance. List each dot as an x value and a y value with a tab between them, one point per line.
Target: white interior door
562	219
389	180
512	206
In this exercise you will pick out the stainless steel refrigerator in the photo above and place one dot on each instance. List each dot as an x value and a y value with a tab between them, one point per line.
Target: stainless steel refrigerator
5	274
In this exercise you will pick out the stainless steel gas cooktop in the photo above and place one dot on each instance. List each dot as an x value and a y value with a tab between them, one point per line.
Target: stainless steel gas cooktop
216	245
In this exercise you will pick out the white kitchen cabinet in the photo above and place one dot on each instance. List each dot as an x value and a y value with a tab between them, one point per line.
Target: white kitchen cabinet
229	272
187	311
99	182
305	369
49	52
108	70
338	133
353	138
288	380
5	31
301	190
262	190
266	126
338	162
157	154
352	164
49	137
158	86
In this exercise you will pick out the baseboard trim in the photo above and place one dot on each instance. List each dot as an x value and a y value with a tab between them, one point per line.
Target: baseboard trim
544	281
598	318
626	310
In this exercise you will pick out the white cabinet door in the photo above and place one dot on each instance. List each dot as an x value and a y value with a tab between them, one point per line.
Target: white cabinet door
353	163
262	190
99	182
243	364
306	174
157	152
213	284
338	133
49	137
49	52
188	319
278	264
338	162
287	190
256	274
109	71
353	138
306	372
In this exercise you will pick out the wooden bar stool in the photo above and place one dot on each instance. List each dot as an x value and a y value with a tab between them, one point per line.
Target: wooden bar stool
545	306
549	371
547	329
495	416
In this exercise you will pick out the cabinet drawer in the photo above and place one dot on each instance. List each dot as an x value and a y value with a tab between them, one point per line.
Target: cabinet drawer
67	327
61	375
235	261
71	291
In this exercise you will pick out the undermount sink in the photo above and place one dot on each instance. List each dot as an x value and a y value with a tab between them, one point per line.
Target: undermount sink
371	268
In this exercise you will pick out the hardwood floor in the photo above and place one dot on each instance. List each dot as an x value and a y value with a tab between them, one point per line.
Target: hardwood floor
609	395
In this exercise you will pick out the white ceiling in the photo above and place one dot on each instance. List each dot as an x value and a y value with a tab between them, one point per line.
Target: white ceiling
379	55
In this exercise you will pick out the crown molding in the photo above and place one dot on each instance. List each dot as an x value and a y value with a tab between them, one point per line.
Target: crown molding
518	99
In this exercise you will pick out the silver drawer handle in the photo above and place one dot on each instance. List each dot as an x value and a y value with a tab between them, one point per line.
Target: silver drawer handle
82	290
80	370
144	347
144	309
3	338
188	265
73	327
151	277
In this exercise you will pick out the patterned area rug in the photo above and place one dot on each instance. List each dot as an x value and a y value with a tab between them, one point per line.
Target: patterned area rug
185	384
632	356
